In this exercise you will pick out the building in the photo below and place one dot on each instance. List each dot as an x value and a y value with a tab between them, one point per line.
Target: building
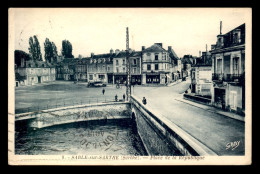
187	62
33	72
100	67
120	69
228	66
80	73
201	80
176	64
156	65
65	70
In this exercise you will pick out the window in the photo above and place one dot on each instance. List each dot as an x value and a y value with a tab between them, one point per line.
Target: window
108	68
134	61
123	61
156	57
101	77
235	65
148	67
233	100
117	70
134	70
164	57
156	67
90	77
219	66
123	69
165	66
116	62
236	38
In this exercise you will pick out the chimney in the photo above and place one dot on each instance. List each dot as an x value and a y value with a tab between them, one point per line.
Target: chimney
220	27
169	48
160	44
111	51
206	48
92	54
199	53
143	48
130	50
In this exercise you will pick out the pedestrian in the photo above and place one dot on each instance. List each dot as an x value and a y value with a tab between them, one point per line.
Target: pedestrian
103	91
144	100
124	97
116	97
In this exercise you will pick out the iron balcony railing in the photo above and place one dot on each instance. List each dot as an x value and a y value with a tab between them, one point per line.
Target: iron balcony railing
227	77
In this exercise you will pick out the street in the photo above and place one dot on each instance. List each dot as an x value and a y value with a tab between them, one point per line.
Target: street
213	130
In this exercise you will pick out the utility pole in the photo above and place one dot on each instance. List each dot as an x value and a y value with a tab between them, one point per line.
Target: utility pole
128	80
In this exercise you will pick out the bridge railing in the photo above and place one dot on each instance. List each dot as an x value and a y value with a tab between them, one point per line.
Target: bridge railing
64	103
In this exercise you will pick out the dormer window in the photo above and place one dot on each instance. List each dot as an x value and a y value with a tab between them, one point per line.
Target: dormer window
236	36
156	57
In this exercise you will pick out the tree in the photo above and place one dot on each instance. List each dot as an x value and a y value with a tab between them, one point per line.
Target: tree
67	49
34	48
50	51
19	55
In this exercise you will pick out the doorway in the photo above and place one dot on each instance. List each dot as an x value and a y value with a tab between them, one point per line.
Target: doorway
39	79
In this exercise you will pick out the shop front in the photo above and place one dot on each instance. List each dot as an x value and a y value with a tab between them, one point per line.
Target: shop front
153	78
136	79
120	78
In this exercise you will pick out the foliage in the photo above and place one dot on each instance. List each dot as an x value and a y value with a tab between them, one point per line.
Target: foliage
19	78
50	50
67	49
18	55
34	48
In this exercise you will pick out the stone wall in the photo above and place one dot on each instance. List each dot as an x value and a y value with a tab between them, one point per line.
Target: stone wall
162	137
45	118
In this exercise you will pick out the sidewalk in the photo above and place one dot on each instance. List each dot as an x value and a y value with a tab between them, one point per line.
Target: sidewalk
213	109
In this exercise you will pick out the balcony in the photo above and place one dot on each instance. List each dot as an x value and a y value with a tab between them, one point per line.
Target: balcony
236	78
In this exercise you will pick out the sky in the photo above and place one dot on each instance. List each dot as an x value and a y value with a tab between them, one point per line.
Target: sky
97	30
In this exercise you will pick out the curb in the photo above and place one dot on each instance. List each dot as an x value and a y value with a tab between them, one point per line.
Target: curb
217	112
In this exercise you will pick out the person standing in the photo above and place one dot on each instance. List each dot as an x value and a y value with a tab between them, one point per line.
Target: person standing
144	101
103	91
124	97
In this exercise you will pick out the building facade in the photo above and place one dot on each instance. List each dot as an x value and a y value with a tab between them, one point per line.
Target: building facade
156	65
228	66
100	67
33	72
80	73
120	69
65	70
201	80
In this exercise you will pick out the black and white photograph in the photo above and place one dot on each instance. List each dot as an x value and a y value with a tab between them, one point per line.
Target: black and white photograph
129	86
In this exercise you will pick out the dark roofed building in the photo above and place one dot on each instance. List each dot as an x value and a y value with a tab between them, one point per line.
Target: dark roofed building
228	70
157	64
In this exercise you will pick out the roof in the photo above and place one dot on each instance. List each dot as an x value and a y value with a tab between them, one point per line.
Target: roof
173	55
38	64
154	48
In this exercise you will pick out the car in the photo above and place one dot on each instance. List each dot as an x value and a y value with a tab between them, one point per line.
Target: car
96	84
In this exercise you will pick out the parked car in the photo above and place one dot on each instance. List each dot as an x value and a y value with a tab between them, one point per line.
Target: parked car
96	84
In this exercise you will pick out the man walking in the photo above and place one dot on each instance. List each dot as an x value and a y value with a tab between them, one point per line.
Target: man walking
103	91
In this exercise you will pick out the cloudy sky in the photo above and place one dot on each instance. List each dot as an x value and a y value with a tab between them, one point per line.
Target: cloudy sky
98	30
